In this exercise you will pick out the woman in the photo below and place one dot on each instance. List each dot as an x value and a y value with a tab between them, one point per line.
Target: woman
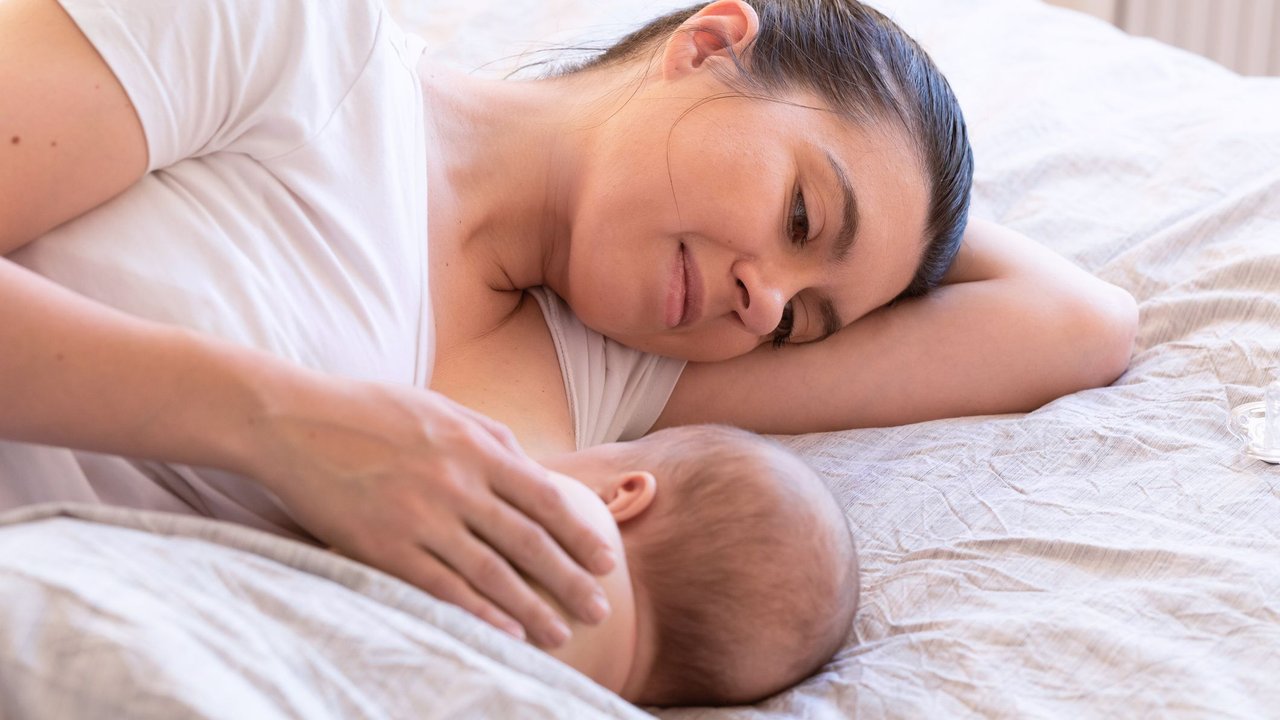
245	221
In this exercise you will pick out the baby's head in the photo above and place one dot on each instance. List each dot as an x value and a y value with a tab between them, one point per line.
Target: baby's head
739	577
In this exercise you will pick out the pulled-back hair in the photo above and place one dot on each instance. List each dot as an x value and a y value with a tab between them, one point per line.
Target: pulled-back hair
747	563
869	71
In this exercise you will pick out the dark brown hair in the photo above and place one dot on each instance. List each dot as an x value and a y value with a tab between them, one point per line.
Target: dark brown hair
869	71
747	563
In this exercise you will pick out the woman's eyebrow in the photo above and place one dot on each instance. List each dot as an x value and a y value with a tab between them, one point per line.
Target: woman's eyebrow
831	321
849	222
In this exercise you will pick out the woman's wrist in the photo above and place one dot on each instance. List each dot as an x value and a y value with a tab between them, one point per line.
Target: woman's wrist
244	396
207	402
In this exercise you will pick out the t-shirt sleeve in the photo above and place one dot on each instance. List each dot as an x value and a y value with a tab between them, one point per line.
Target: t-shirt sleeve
259	77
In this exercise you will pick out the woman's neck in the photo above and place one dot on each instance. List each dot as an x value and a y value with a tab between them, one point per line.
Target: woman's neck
504	159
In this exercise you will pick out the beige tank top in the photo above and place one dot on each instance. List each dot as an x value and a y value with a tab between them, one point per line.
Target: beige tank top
615	392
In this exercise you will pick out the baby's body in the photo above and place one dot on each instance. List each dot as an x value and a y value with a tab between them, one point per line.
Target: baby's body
670	492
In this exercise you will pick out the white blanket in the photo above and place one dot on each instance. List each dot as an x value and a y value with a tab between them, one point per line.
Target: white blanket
1111	554
149	615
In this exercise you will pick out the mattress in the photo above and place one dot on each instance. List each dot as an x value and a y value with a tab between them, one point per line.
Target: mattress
1113	553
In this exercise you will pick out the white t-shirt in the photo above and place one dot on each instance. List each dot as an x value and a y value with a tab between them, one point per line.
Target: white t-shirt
284	209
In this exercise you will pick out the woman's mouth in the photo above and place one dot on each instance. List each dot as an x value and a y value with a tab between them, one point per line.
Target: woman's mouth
684	295
677	291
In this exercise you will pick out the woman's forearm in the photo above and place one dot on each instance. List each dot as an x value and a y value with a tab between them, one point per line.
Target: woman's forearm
74	373
1072	329
1014	327
396	476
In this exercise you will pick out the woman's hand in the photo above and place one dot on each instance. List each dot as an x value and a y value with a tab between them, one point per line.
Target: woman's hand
416	485
398	477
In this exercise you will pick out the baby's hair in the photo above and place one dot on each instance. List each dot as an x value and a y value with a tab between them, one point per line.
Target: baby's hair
748	565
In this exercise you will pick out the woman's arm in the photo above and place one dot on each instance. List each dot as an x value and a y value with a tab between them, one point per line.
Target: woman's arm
398	477
1013	327
69	137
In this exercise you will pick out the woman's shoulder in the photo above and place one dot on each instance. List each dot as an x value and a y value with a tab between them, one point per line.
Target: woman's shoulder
251	76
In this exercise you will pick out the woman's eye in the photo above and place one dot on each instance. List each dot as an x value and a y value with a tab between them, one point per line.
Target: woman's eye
799	220
782	335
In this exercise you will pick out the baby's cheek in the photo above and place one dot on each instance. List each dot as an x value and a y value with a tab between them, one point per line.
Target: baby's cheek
602	652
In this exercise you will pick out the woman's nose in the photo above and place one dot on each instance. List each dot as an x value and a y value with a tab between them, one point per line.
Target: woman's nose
759	301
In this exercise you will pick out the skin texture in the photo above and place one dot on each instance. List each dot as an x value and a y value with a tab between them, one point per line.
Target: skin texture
618	653
615	186
735	198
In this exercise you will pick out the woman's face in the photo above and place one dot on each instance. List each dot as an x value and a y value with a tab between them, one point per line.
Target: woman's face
698	231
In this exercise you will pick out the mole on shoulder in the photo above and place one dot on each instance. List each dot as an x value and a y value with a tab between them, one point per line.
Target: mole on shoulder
15	140
53	144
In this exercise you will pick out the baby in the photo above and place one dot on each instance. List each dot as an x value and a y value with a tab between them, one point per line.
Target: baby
737	575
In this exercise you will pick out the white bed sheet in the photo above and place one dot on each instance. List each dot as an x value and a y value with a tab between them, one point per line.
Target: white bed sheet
120	613
1111	554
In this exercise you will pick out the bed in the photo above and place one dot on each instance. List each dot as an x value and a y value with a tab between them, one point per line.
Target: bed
1114	553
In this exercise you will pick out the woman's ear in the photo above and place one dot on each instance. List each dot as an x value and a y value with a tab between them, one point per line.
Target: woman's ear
713	31
630	494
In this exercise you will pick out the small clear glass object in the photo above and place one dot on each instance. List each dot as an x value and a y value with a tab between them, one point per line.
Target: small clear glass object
1258	423
1271	428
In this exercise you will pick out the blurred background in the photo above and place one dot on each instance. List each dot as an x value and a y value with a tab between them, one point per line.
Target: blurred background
1243	35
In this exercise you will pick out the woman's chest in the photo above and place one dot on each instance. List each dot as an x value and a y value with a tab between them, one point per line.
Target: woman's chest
495	355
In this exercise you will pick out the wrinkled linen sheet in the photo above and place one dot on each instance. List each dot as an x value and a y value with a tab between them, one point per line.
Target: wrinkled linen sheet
1111	554
119	613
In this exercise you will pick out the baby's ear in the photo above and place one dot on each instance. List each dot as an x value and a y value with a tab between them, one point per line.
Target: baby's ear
630	494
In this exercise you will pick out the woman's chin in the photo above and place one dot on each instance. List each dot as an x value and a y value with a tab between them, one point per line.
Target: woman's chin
708	344
687	347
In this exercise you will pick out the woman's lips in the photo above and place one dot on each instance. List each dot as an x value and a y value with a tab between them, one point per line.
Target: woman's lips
677	291
692	289
684	296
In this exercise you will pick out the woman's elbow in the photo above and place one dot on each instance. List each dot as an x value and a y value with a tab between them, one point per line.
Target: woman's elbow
1107	322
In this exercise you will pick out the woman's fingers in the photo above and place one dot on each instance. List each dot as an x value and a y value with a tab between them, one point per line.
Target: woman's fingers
497	430
438	495
529	547
526	485
544	503
427	572
493	577
529	543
